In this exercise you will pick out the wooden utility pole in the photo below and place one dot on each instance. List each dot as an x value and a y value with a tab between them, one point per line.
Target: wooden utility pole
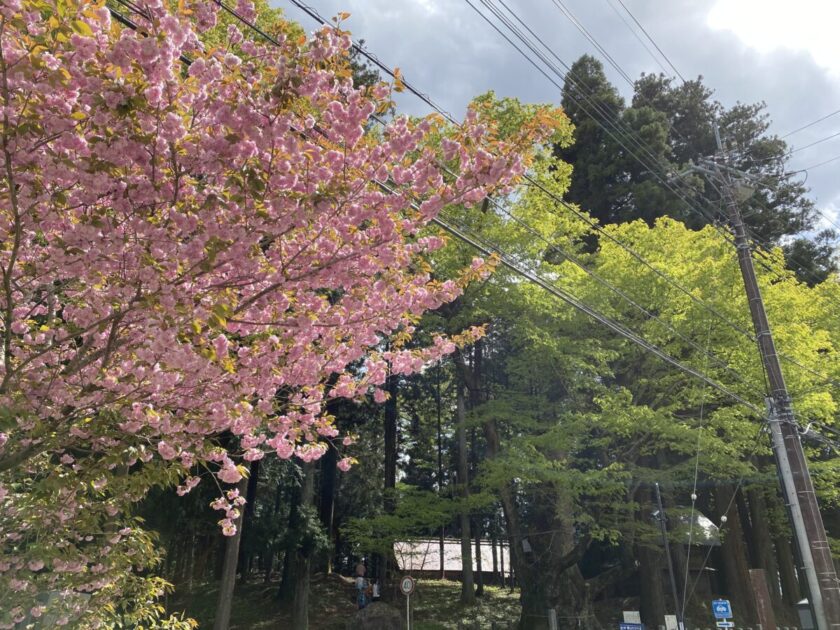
797	487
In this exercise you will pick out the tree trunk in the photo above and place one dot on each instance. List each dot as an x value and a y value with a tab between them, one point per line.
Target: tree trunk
495	555
479	575
438	405
245	553
651	585
386	561
286	592
467	585
223	607
762	542
326	497
191	561
269	566
791	593
390	418
303	559
502	576
650	555
734	557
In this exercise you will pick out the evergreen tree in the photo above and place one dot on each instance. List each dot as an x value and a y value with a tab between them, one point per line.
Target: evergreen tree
624	160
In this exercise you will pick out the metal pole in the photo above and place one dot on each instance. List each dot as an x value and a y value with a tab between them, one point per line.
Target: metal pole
798	490
664	530
407	612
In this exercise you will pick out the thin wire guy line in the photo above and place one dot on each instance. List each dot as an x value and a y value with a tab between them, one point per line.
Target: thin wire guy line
724	513
696	476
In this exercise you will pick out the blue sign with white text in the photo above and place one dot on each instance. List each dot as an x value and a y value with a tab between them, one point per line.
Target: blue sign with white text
630	626
721	608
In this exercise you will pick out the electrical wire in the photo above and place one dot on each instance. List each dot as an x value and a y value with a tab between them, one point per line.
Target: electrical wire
585	32
636	35
798	149
313	14
810	124
489	248
819	164
664	56
616	127
269	38
464	234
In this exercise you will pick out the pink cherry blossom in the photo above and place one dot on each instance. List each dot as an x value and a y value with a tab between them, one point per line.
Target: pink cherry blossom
170	240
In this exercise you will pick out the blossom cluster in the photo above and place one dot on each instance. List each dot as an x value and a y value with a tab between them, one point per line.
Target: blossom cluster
189	251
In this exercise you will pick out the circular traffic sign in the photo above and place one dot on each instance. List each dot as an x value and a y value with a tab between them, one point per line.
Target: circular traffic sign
407	584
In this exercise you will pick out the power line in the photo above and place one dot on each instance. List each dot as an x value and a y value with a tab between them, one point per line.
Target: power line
664	56
585	32
495	249
312	13
813	166
490	248
607	119
636	35
464	234
798	149
598	278
816	142
810	124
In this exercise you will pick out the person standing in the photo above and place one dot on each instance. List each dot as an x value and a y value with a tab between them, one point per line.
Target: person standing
361	586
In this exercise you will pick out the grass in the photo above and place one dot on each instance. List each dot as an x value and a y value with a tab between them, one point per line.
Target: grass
435	606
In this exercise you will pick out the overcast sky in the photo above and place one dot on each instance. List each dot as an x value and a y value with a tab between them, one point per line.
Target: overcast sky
784	53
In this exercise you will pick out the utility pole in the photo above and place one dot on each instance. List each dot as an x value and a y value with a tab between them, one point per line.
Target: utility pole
797	488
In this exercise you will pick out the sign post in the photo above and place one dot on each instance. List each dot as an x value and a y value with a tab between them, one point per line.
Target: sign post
407	585
722	610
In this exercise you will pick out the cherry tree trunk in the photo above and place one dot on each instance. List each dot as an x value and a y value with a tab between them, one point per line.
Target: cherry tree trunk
223	608
467	583
303	559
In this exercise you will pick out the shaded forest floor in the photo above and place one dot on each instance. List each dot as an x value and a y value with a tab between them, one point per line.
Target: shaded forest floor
332	605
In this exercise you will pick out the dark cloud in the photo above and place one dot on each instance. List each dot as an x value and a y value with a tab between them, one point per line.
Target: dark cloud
447	50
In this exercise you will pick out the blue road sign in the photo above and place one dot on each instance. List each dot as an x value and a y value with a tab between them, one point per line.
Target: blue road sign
721	608
630	626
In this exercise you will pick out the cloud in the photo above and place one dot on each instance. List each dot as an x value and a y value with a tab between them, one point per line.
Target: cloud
767	25
746	50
